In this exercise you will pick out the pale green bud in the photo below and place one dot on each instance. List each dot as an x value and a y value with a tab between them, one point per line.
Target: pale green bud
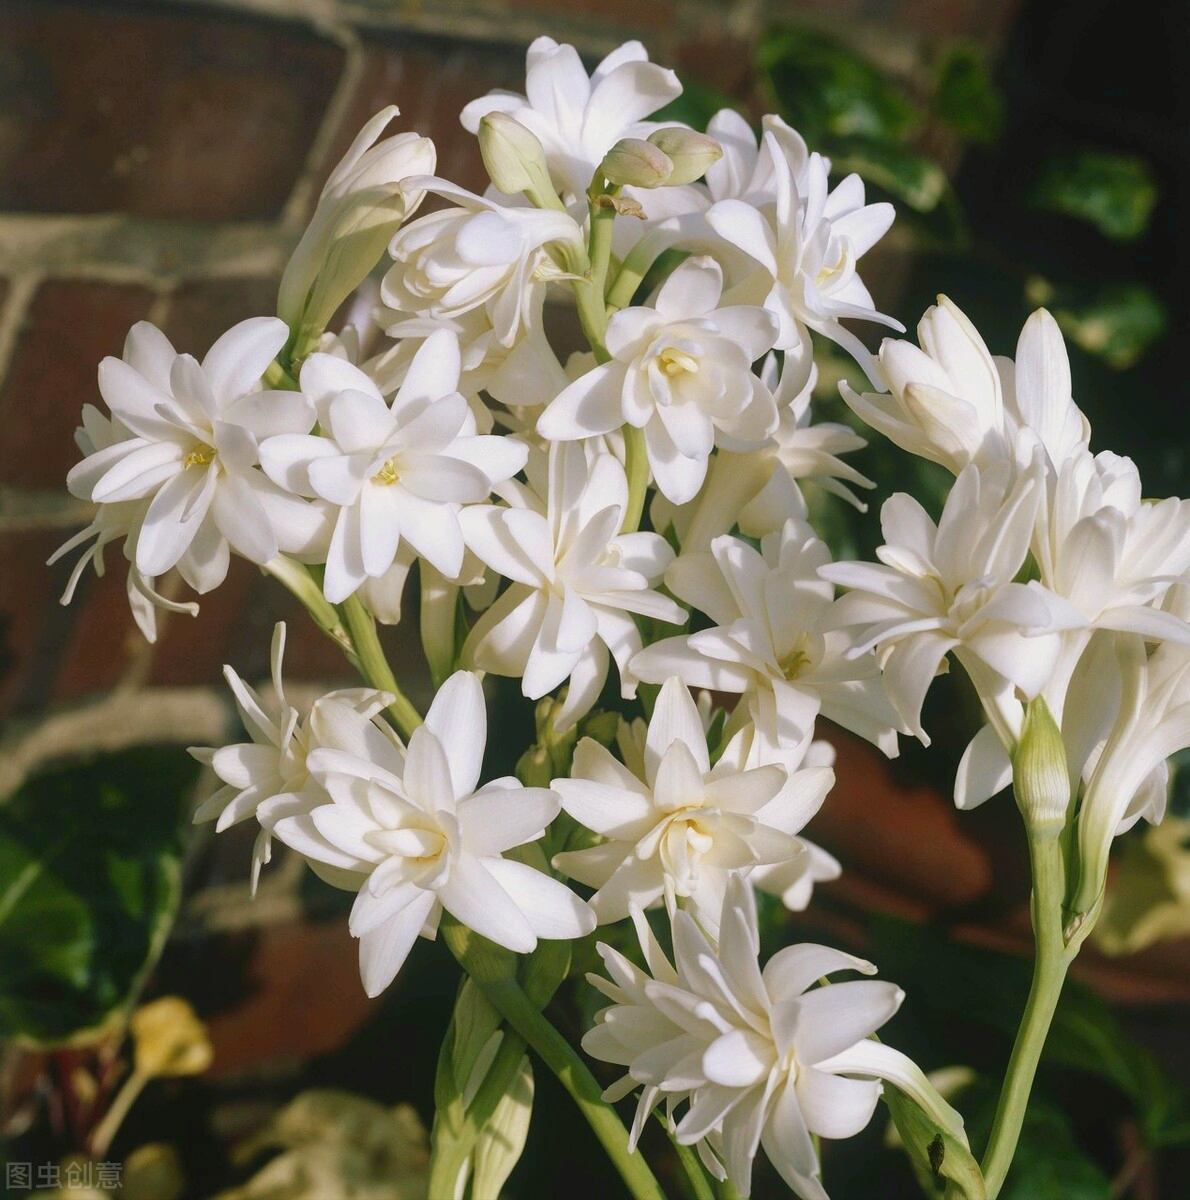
690	152
515	160
1040	777
501	1142
636	163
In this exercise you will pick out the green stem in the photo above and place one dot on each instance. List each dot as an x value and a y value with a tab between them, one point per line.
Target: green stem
637	468
103	1134
589	292
1050	963
632	272
700	1187
298	579
374	666
494	970
278	378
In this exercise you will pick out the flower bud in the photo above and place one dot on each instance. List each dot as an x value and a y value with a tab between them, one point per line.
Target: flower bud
1040	777
515	160
690	152
636	163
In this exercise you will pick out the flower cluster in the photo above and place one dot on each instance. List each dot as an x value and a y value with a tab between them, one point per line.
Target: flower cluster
638	500
1047	576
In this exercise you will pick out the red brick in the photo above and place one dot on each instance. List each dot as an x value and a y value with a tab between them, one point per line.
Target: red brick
623	18
103	634
199	312
32	624
197	115
192	650
70	326
430	82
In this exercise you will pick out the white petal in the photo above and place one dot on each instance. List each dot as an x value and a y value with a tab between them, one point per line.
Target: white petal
550	907
472	896
458	718
382	951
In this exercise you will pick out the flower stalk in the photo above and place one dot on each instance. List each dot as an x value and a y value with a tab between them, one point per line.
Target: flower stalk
1052	959
494	971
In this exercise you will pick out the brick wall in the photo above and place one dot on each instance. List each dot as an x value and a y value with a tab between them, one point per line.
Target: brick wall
159	162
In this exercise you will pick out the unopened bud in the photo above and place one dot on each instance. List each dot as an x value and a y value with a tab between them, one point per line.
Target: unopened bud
515	160
690	152
637	163
1040	777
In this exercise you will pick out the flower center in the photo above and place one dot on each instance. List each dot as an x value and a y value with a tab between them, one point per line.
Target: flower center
825	272
793	663
387	475
677	362
200	456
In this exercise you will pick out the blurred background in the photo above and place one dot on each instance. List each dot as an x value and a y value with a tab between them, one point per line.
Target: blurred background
159	161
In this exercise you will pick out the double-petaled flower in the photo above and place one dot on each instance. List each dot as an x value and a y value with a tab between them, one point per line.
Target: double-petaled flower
412	830
394	472
758	1058
575	579
192	453
682	372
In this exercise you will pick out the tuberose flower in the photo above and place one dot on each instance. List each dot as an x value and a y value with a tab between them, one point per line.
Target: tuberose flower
415	834
194	453
684	828
273	764
362	205
575	579
395	472
770	641
576	117
682	372
757	1059
805	247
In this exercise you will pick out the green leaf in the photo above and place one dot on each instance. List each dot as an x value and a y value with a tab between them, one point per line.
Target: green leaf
826	90
917	180
1085	1035
1048	1165
943	1165
1114	192
1117	324
695	106
90	877
966	99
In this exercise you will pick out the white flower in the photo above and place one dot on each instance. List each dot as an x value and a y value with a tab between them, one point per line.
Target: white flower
1126	775
267	777
682	372
480	255
684	828
805	246
119	521
1107	551
396	473
194	452
575	580
769	642
421	839
762	1059
759	490
809	767
951	586
576	117
363	203
953	403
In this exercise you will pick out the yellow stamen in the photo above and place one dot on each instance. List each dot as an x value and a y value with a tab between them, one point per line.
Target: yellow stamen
200	456
387	474
791	664
677	362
